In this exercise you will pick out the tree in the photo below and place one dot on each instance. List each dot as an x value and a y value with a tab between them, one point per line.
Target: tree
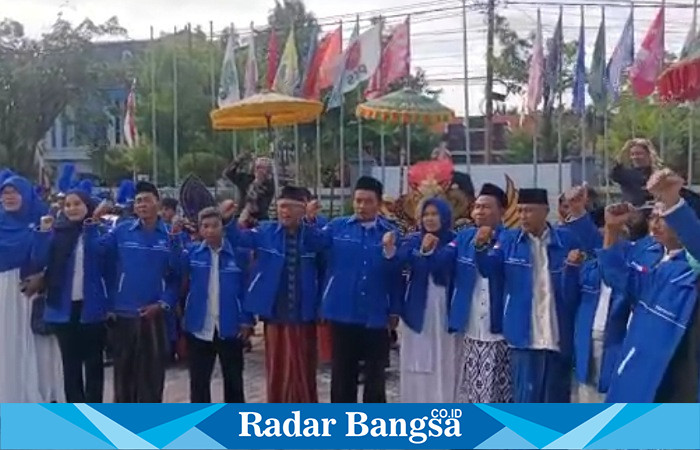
40	78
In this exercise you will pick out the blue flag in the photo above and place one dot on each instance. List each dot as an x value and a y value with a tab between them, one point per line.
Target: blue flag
579	101
621	60
308	60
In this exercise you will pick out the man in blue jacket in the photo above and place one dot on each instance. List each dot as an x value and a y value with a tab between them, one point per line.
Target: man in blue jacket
362	295
476	309
147	286
538	315
214	318
283	292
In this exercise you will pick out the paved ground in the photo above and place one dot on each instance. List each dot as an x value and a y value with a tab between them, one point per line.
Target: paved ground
177	380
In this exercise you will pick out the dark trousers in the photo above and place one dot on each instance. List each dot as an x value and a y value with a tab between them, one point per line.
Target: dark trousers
81	353
140	357
352	344
202	356
540	376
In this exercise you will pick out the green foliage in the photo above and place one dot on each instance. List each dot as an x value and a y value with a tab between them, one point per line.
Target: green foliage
40	78
206	166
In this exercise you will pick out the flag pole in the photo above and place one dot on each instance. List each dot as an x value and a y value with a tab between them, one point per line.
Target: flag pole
634	99
691	110
318	155
154	149
582	123
234	133
382	153
465	55
176	143
341	124
560	150
297	165
535	156
606	151
360	152
662	109
212	70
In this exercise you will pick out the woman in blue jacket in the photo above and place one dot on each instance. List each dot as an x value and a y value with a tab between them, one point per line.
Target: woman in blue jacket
427	349
76	302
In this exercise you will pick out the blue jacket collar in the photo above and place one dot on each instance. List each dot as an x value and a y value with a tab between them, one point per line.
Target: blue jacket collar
554	239
160	226
225	247
380	221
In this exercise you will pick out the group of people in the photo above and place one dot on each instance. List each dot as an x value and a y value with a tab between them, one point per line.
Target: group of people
486	314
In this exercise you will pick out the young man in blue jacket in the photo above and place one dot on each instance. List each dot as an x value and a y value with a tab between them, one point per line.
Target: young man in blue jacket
538	315
215	322
283	292
362	295
147	286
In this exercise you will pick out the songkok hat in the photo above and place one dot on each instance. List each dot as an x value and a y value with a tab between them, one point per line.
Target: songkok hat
146	187
533	197
293	193
366	183
494	191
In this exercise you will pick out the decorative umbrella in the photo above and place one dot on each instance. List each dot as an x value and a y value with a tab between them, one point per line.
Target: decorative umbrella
681	80
405	107
266	110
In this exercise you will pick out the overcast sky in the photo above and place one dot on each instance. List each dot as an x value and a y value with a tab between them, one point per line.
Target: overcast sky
436	37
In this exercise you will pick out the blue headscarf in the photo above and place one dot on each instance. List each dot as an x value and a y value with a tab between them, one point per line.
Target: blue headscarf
445	234
16	227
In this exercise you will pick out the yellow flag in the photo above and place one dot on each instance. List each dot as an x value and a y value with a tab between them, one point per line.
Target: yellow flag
287	76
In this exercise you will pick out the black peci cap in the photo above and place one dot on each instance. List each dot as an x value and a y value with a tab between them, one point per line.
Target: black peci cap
533	197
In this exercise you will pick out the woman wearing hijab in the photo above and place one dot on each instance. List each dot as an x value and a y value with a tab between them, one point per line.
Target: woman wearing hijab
20	211
76	303
427	349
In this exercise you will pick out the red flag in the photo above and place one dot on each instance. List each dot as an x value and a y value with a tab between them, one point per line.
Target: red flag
273	57
320	73
649	61
131	134
395	63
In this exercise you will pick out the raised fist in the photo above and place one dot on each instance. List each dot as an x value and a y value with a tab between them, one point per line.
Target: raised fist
103	209
227	209
46	223
430	242
616	215
483	236
665	186
389	241
575	257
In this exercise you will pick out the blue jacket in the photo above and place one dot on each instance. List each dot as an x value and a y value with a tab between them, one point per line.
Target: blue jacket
459	258
585	230
95	304
665	304
142	261
268	242
509	259
196	267
421	268
362	286
589	298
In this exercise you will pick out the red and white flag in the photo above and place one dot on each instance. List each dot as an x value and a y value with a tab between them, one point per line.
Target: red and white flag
273	58
323	67
535	79
395	62
131	133
650	58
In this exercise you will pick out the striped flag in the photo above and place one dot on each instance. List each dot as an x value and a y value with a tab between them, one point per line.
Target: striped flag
579	100
535	77
131	133
309	58
287	76
621	59
229	89
251	67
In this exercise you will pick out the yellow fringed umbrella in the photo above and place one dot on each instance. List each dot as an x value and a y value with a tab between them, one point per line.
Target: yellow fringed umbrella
405	107
265	110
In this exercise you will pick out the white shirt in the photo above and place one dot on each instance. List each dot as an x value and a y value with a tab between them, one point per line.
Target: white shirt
479	324
544	332
211	320
78	271
601	312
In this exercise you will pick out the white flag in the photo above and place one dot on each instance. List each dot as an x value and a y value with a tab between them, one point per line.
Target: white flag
229	91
